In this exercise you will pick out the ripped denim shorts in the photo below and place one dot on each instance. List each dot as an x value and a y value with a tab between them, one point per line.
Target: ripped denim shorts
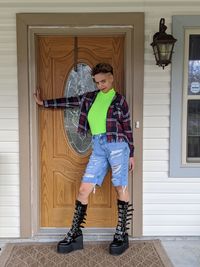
104	155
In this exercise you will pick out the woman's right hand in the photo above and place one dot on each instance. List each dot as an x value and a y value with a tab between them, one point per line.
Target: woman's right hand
37	97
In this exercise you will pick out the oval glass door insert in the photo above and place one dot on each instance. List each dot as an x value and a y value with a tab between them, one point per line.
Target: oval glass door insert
77	83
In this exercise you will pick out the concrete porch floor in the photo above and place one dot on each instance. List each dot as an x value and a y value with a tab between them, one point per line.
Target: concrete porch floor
183	253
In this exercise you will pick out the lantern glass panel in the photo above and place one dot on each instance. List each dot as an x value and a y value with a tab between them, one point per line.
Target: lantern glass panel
156	53
165	51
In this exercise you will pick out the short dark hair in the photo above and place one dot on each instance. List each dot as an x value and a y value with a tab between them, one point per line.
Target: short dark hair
102	68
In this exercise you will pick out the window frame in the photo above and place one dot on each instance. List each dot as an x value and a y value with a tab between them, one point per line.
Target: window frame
179	167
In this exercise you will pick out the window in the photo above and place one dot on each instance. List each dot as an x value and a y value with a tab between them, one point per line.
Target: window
185	98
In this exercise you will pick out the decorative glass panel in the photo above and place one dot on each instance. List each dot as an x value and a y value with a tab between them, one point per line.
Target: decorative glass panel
77	83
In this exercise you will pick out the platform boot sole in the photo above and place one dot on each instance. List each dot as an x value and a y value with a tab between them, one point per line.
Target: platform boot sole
76	244
118	250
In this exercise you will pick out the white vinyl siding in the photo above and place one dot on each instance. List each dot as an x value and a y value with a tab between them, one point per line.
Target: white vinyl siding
171	205
9	146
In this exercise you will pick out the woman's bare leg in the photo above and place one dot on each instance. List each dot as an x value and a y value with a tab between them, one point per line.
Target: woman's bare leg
84	191
122	193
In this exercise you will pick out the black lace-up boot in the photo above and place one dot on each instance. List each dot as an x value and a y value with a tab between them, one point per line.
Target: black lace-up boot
120	242
74	238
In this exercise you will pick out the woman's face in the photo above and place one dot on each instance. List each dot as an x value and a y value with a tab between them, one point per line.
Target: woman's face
104	81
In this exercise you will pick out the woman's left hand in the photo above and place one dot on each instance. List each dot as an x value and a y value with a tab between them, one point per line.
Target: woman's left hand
131	164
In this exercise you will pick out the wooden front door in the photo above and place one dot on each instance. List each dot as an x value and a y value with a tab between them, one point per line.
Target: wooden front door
61	166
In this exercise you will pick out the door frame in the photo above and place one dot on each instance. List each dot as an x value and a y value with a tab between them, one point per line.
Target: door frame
28	27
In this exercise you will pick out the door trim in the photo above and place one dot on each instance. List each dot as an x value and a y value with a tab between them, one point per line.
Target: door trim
28	27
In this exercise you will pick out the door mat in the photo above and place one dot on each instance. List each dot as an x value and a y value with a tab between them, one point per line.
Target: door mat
95	254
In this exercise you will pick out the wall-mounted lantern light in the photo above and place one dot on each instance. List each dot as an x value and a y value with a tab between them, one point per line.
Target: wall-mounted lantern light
163	45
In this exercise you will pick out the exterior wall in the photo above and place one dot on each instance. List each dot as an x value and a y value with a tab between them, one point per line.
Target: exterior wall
171	205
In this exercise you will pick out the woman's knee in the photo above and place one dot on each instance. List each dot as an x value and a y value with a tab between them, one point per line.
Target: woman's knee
121	190
85	190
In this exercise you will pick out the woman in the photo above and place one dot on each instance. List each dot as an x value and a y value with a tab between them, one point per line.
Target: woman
105	113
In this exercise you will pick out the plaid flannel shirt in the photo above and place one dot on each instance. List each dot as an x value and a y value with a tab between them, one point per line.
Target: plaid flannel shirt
118	126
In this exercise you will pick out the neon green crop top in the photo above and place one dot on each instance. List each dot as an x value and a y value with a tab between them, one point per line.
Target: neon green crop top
98	111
